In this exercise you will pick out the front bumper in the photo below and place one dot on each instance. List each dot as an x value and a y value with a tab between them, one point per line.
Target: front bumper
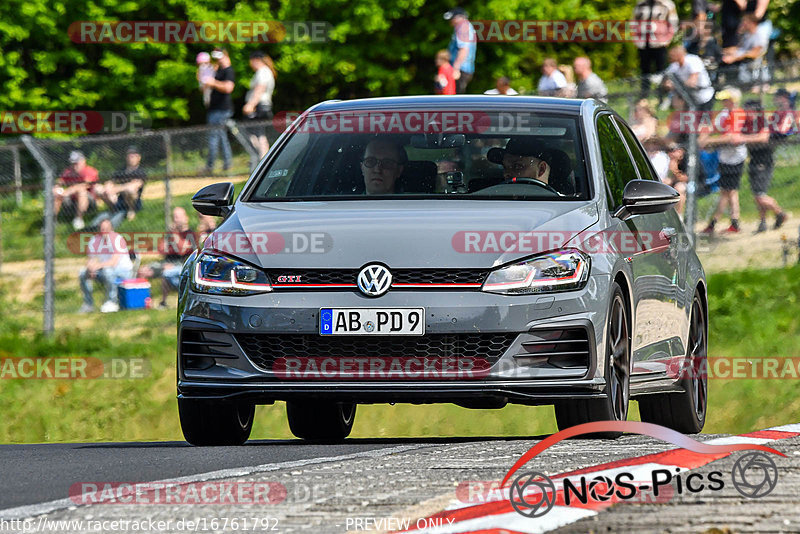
213	362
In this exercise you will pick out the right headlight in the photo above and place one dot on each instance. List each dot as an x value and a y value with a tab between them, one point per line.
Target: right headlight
218	274
564	270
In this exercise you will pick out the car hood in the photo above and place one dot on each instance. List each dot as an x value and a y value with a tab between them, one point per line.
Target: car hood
400	234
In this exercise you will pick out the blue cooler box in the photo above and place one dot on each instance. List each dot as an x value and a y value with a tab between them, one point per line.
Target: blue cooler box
134	294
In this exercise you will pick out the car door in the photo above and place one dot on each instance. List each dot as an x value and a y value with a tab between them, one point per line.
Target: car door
667	237
652	274
659	274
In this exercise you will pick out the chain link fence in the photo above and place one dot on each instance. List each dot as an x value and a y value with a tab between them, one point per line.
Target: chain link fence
141	178
48	210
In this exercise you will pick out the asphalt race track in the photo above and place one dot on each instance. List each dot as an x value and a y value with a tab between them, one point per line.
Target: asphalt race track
377	485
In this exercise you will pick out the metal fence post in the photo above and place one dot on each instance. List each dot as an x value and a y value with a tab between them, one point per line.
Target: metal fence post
167	188
690	212
49	235
17	176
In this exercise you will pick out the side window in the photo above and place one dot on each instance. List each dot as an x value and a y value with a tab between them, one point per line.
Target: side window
639	157
617	163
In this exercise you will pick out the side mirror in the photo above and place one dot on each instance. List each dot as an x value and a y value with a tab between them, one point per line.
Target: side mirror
646	196
215	199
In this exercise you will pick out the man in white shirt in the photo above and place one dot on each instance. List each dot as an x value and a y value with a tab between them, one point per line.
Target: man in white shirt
691	70
553	82
108	259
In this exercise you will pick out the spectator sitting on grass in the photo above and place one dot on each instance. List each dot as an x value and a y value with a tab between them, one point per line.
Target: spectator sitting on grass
123	191
108	260
178	244
644	123
677	178
656	149
78	186
206	225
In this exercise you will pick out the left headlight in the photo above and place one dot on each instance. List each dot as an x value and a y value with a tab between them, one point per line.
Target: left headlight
564	270
217	274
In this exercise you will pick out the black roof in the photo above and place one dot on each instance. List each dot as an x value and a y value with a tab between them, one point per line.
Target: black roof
534	103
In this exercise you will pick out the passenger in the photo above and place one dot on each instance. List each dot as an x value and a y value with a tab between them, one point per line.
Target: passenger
382	164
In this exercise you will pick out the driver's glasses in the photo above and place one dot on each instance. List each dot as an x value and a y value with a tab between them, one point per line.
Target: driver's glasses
520	165
386	163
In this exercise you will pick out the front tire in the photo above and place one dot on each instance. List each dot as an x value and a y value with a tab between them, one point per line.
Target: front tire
614	407
215	423
320	420
685	411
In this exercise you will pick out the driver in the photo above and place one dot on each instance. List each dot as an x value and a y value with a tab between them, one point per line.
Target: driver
381	165
525	158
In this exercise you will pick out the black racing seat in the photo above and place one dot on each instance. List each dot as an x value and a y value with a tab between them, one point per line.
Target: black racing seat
417	177
562	179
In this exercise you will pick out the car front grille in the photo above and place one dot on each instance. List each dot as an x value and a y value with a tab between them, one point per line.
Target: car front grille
264	349
416	278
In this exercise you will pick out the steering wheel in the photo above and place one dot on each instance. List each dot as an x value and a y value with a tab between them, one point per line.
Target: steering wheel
532	181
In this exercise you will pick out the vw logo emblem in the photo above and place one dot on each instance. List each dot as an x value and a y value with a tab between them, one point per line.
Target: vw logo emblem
374	280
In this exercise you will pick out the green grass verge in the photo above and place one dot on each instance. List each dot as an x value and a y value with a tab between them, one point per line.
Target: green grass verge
753	314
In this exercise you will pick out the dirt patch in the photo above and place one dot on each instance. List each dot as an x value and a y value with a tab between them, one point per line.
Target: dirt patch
747	250
186	186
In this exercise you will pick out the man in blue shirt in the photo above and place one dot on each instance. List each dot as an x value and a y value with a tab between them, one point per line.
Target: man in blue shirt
462	48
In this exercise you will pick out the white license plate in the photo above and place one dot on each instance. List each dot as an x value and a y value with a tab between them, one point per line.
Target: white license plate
372	321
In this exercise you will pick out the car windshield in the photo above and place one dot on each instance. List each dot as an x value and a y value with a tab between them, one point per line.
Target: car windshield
427	154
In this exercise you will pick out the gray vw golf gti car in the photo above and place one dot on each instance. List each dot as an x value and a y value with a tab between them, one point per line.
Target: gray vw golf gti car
473	250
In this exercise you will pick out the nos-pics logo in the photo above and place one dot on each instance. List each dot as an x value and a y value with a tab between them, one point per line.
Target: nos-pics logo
533	494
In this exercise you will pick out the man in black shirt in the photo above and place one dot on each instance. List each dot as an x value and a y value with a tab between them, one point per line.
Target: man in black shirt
220	108
123	192
762	133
